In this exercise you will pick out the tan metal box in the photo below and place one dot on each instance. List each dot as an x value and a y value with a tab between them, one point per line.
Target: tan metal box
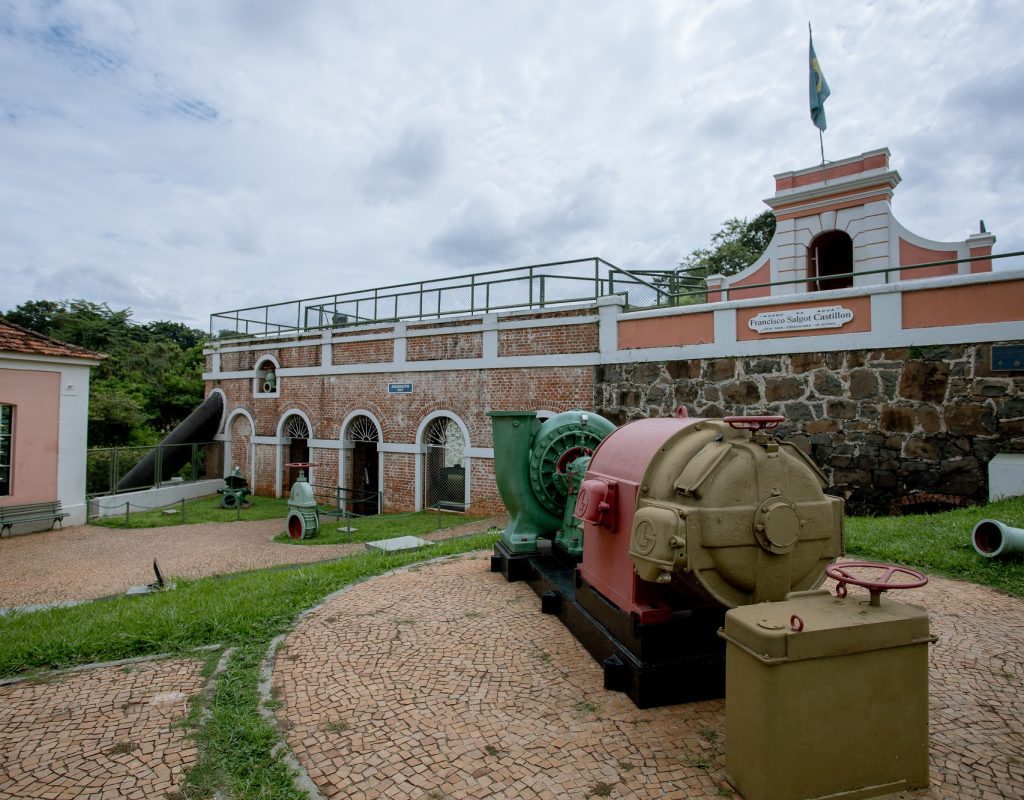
837	709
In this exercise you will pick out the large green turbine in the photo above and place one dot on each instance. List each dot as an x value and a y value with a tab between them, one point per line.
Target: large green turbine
533	467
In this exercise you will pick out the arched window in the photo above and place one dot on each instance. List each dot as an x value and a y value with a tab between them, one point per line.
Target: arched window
295	436
444	478
267	383
362	481
829	254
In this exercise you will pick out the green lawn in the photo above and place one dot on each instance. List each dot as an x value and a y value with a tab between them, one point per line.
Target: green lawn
940	544
385	526
202	509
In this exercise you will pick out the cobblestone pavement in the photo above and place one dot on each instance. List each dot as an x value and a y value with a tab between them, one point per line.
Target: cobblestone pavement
106	732
444	681
85	562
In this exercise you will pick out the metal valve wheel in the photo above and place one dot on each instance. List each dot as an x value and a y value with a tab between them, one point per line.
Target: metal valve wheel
883	583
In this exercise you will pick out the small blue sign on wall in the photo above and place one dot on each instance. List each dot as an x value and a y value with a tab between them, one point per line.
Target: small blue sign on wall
1007	358
399	388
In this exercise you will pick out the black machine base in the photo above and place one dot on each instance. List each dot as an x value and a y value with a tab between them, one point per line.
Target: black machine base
678	661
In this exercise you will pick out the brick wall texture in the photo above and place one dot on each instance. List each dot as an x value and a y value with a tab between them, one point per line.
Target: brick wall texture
467	394
544	341
445	346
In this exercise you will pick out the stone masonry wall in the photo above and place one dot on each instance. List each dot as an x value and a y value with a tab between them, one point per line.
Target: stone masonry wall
890	428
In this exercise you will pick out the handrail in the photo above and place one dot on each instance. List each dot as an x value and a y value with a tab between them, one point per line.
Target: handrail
481	293
724	290
543	285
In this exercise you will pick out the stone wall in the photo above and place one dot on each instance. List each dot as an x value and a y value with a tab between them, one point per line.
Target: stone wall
903	427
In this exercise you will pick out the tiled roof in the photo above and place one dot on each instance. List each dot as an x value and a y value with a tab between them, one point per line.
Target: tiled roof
15	339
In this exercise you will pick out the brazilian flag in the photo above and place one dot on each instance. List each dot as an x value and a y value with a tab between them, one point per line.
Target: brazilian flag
819	90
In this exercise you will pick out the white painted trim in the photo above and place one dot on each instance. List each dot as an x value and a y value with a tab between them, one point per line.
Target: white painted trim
279	460
608	325
257	390
490	332
63	361
513	362
479	452
346	445
420	458
229	418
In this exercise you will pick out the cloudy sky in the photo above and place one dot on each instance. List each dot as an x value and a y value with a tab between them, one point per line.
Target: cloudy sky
186	157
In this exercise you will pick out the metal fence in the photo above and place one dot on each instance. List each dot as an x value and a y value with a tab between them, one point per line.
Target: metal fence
106	466
540	286
444	487
342	502
689	292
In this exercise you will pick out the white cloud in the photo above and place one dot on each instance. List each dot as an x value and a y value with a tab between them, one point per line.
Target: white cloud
154	154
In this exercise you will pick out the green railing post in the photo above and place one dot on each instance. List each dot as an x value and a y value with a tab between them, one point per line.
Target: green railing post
127	508
158	468
113	472
183	511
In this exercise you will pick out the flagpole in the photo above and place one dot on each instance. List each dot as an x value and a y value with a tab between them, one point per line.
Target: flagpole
821	137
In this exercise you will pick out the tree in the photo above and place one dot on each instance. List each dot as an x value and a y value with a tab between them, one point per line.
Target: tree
151	380
36	315
735	247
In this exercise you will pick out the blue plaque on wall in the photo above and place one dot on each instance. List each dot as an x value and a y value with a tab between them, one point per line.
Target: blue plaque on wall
1007	358
399	388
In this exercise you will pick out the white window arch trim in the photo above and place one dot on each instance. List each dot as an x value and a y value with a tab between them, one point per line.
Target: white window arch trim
280	462
258	376
229	420
421	454
346	445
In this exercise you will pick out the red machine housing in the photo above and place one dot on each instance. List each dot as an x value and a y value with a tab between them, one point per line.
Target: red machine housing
607	503
690	513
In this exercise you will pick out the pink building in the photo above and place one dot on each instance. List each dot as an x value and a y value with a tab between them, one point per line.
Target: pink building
44	408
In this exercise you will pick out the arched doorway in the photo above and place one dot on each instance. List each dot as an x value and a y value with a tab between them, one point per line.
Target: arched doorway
362	480
444	474
295	444
830	253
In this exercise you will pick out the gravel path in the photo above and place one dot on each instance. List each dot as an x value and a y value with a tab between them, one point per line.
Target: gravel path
85	562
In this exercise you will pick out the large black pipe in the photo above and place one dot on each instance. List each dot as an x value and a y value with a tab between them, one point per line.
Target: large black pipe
199	426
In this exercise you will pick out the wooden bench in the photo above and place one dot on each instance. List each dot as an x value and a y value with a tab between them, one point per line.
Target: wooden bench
31	512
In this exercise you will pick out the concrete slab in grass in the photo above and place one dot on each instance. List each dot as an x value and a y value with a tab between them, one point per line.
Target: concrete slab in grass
398	543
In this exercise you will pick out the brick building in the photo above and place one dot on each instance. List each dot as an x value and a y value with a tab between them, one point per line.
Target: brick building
881	347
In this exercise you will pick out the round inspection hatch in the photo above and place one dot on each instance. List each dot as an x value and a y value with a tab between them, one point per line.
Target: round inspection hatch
777	525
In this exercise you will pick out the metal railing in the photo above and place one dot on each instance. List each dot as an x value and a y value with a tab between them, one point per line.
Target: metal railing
539	286
348	502
106	466
696	295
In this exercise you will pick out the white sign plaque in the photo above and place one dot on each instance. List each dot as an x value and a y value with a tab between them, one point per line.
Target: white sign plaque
800	319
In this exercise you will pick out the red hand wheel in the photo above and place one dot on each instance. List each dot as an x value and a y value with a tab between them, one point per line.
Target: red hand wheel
842	574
